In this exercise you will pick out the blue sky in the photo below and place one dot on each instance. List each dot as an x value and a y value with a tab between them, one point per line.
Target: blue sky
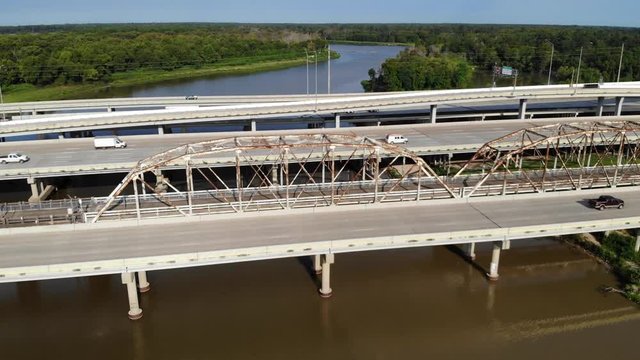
565	12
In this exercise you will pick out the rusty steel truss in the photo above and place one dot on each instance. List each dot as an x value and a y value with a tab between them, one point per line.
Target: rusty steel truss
278	172
255	173
581	155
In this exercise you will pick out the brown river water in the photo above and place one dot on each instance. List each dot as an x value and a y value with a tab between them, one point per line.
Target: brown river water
423	303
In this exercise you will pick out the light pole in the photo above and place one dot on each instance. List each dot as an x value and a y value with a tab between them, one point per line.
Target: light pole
550	64
1	98
620	66
329	68
579	63
315	56
306	54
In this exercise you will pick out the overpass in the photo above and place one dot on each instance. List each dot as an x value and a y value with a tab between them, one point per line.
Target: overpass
388	211
334	104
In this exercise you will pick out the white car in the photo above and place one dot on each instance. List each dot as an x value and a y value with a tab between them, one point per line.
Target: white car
396	139
13	158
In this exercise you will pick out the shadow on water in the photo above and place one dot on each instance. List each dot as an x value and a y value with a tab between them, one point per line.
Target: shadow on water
307	264
457	251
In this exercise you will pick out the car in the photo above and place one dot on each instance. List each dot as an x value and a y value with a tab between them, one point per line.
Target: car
13	158
191	97
606	201
396	139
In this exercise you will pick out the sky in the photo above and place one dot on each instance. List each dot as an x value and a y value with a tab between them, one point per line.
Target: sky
561	12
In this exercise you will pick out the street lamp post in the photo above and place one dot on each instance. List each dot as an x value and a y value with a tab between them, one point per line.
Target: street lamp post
620	65
315	56
329	68
550	64
306	54
1	98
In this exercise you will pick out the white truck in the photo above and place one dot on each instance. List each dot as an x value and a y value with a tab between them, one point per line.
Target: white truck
107	142
396	139
13	158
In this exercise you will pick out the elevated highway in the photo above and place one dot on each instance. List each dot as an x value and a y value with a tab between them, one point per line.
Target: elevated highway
73	157
334	104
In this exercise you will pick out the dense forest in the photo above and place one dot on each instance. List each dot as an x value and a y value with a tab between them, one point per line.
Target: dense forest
84	53
443	55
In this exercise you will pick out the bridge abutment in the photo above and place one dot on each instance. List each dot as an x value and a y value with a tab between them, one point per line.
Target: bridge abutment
325	289
135	312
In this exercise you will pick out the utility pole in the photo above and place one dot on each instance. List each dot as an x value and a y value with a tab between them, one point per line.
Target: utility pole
329	68
579	63
1	98
550	64
620	66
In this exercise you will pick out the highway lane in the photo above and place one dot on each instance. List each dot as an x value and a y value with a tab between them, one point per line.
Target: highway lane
379	101
173	236
77	156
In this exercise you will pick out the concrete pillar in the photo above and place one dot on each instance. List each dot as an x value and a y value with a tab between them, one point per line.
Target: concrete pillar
325	289
522	112
600	107
619	102
35	189
471	251
129	279
161	187
434	113
34	113
254	126
506	245
109	109
60	135
143	284
495	260
274	174
317	264
637	247
160	130
337	121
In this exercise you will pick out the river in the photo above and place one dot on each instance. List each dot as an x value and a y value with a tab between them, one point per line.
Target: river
404	304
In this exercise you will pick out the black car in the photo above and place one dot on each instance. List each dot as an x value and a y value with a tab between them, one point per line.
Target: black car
606	201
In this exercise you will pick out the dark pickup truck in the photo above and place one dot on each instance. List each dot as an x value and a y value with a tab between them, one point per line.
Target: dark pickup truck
606	201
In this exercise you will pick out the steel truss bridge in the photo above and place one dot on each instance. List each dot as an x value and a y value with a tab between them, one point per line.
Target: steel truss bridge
288	172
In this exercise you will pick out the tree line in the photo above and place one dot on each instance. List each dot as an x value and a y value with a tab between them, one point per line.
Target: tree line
62	54
85	53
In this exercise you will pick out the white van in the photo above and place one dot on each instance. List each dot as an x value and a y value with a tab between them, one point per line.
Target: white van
396	139
104	142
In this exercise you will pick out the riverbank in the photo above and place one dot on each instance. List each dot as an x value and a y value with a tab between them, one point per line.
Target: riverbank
27	92
616	249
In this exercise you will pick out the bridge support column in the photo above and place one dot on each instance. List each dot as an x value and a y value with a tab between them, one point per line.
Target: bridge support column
637	246
135	312
434	113
143	284
495	260
254	126
317	264
471	251
109	109
161	187
522	112
619	102
325	290
60	136
337	121
160	130
600	107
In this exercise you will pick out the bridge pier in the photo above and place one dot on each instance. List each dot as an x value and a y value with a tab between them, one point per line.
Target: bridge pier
600	107
160	130
39	191
161	186
471	251
495	260
317	264
129	279
253	126
637	246
143	284
434	113
337	121
325	289
619	102
522	112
